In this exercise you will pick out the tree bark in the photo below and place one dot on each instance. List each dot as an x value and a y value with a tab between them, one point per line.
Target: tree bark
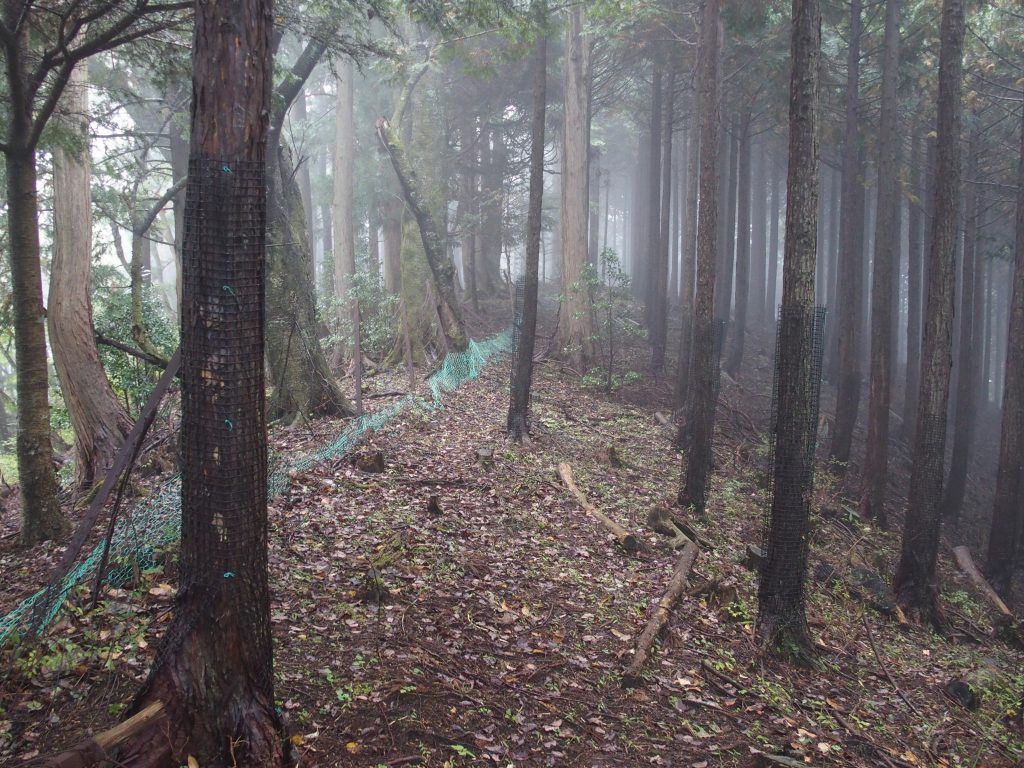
968	349
781	619
701	418
915	257
519	406
344	218
653	245
688	269
726	267
575	321
915	583
41	515
391	228
773	241
876	459
742	248
214	673
759	238
659	317
344	191
1007	512
488	260
97	416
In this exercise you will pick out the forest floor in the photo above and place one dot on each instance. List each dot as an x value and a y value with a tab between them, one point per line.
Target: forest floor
510	613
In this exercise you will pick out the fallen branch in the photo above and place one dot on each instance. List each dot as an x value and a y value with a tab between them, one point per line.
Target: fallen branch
95	750
966	563
885	668
657	622
147	357
626	540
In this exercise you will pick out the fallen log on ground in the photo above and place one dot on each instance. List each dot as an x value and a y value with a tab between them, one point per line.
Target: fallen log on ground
96	750
966	563
658	620
626	540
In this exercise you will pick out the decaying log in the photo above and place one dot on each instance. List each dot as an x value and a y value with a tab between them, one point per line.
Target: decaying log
96	750
658	620
966	563
626	540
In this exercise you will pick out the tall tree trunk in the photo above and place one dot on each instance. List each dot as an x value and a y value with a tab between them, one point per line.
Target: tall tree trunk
639	218
373	240
659	325
677	213
391	228
519	406
967	351
876	459
688	268
1007	511
471	204
304	181
97	416
917	298
781	619
742	248
594	209
303	383
492	204
759	237
851	257
700	421
343	216
724	284
575	322
915	256
915	583
215	674
41	515
653	244
831	361
773	240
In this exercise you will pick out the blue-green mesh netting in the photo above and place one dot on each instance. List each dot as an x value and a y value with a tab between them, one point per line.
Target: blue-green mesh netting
156	521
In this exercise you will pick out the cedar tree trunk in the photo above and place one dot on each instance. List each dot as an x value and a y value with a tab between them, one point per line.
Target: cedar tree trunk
214	671
700	425
519	406
97	416
916	582
781	619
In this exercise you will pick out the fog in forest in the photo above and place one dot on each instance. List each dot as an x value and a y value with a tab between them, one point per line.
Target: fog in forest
462	382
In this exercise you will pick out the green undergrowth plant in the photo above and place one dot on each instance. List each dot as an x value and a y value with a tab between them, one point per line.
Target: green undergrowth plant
611	305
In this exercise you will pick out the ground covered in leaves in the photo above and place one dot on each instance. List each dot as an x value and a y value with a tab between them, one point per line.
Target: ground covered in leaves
459	608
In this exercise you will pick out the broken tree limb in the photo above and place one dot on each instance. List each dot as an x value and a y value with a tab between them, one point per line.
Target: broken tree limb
95	750
626	540
658	620
966	563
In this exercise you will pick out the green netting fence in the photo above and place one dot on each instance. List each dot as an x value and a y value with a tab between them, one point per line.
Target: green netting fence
155	522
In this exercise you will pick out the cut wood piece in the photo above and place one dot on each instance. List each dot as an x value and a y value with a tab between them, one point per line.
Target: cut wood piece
662	419
657	622
626	540
95	751
966	563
